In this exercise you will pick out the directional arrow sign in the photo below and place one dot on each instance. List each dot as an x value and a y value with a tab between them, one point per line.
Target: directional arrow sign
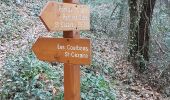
65	17
66	50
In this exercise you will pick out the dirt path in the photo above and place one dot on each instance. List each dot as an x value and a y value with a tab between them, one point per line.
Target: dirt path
128	87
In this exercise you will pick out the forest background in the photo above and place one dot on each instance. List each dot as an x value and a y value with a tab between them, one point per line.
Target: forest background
110	76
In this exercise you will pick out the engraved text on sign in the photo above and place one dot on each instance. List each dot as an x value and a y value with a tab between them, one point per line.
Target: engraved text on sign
65	17
66	50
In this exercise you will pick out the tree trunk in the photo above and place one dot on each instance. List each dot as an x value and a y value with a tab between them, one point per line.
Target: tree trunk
121	13
133	31
139	32
120	17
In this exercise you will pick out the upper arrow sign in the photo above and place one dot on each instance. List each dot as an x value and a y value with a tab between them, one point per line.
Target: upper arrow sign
65	17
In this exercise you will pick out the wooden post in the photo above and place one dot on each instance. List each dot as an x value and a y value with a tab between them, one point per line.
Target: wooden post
71	72
52	18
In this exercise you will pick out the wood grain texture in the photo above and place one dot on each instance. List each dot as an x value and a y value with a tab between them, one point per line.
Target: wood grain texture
71	72
71	82
65	16
65	50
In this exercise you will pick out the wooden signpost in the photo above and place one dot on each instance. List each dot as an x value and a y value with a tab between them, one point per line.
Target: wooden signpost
69	17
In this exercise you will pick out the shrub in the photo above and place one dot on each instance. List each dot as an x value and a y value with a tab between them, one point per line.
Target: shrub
25	77
96	87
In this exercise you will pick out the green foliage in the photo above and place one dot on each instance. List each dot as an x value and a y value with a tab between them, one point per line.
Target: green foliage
100	19
96	87
167	39
96	81
60	96
12	22
160	37
25	77
7	2
107	17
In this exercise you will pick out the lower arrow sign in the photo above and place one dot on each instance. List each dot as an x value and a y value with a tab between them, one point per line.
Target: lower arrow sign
65	50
